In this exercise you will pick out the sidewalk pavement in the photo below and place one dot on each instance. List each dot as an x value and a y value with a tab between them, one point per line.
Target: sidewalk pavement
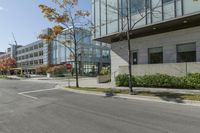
136	97
92	82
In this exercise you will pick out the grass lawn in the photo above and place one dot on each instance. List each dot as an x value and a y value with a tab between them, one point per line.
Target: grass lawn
195	97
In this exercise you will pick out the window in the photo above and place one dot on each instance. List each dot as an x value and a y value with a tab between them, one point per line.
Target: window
27	63
148	4
186	52
35	62
41	61
40	45
36	54
40	53
135	5
36	47
31	48
155	55
135	57
31	55
168	1
31	62
106	54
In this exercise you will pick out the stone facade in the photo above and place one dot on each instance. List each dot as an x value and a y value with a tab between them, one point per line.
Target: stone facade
168	40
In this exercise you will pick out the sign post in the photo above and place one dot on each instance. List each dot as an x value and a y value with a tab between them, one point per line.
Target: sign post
69	68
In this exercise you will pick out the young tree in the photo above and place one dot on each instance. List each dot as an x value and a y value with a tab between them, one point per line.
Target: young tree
1	66
66	15
7	64
41	69
125	11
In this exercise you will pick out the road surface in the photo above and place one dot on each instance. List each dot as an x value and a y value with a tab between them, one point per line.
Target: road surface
33	107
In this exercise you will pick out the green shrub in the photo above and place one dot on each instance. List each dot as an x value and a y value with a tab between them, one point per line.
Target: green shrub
192	80
161	80
105	71
122	80
158	80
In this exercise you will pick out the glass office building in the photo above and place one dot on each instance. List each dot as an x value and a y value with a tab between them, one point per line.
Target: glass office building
91	55
109	15
162	31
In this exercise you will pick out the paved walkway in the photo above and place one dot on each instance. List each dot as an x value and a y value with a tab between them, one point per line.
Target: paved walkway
92	82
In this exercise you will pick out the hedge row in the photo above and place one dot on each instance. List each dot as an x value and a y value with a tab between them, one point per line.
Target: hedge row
191	81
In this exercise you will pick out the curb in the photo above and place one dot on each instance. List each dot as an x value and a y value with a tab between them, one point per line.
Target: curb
143	98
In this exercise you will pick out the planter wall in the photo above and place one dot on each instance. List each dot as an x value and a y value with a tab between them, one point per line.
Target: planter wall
103	78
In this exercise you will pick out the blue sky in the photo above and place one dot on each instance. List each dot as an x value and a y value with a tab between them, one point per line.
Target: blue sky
24	19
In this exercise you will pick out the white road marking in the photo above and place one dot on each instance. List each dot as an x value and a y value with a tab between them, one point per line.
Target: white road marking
32	97
28	96
27	92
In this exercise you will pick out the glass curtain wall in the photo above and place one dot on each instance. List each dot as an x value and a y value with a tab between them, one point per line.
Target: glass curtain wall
89	54
191	6
109	15
112	16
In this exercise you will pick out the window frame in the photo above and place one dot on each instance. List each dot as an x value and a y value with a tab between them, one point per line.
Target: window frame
177	56
149	58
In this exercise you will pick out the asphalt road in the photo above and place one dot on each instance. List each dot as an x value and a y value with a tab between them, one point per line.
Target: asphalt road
59	111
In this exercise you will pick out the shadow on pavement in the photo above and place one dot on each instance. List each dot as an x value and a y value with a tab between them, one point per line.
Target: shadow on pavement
109	94
170	97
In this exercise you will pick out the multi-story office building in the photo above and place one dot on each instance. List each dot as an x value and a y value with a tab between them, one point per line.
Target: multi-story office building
164	33
10	52
91	55
30	56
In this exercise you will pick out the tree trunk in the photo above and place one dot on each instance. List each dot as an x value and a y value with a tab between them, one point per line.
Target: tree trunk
76	67
129	49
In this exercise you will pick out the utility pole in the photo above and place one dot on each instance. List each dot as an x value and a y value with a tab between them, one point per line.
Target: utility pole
129	47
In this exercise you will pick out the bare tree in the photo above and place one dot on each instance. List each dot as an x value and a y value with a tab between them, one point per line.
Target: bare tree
67	15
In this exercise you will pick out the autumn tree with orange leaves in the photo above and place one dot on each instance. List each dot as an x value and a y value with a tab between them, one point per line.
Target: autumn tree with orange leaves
66	15
7	64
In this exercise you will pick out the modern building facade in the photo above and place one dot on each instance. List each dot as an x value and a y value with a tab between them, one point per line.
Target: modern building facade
10	52
162	32
30	56
91	55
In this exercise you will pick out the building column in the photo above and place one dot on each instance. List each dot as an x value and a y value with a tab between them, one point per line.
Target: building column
169	54
198	50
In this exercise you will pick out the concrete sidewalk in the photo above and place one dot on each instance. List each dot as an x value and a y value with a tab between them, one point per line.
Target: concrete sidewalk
92	82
